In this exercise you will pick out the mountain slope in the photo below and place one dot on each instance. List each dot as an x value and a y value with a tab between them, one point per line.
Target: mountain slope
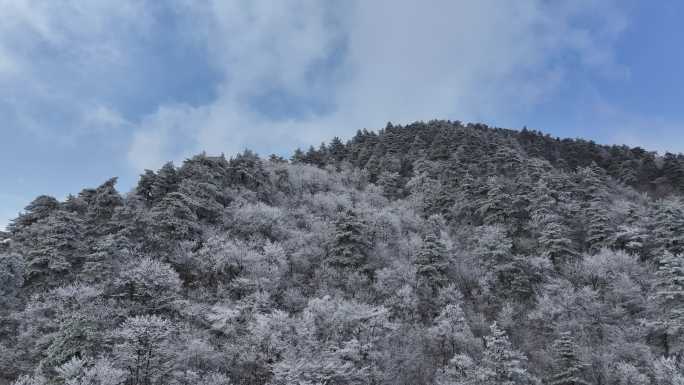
429	254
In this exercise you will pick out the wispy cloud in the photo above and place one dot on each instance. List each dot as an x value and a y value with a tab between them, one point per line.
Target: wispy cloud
180	77
359	64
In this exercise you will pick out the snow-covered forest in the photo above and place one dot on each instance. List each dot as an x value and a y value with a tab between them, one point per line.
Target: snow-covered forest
434	253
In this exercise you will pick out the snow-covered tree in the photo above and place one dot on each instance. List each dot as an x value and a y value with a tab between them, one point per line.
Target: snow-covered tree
569	366
451	333
151	286
667	227
143	349
431	274
503	364
80	371
350	247
670	296
431	264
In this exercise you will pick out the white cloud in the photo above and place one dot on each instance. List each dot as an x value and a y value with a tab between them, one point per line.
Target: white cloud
400	61
327	68
63	58
102	117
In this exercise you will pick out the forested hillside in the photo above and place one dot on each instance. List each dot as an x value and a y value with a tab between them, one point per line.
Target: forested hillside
436	253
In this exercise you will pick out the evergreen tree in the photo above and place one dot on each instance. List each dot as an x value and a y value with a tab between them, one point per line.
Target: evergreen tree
144	186
555	243
542	205
553	235
673	167
38	209
104	257
336	150
516	280
350	247
569	370
53	249
431	275
102	204
204	198
165	181
297	156
172	221
670	296
494	208
451	333
493	246
465	198
506	365
11	280
440	148
431	264
246	170
598	225
391	184
668	227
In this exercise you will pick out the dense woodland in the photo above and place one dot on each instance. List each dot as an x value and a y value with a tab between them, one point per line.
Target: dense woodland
434	253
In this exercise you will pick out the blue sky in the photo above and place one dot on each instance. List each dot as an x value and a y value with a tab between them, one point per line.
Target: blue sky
91	90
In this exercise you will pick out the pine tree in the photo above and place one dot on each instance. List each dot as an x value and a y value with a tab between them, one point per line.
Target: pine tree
172	220
506	365
351	246
673	167
668	227
494	208
431	275
493	247
336	150
670	297
165	182
104	201
451	332
391	184
144	186
598	225
38	209
247	170
517	279
555	243
315	157
592	186
548	227
297	156
104	257
54	248
11	280
542	205
465	197
440	148
431	264
569	364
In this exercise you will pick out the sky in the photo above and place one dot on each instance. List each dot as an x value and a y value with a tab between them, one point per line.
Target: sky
95	89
